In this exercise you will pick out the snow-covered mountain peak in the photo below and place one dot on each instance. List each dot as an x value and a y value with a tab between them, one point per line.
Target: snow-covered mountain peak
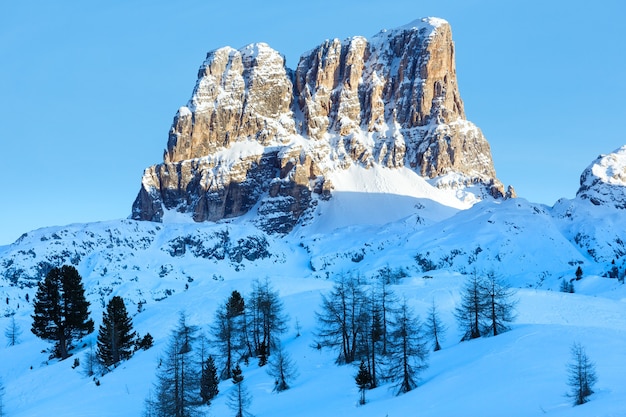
604	181
430	24
359	164
390	102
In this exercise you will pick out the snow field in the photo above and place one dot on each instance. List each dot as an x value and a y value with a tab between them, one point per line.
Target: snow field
519	373
377	218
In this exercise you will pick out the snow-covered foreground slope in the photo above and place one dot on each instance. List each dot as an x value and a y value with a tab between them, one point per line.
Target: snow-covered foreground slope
378	222
519	373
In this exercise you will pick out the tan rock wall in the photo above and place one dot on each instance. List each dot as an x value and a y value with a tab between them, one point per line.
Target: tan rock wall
240	95
392	100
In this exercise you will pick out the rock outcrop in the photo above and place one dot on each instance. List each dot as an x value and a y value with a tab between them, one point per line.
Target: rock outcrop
255	132
240	95
604	181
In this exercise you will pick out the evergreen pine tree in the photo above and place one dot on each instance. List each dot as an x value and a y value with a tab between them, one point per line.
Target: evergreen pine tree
116	337
363	380
61	312
567	286
48	315
579	273
144	343
235	306
209	381
237	374
76	306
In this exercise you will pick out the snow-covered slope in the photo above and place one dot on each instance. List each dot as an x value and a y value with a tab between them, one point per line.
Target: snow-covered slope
519	373
377	217
425	239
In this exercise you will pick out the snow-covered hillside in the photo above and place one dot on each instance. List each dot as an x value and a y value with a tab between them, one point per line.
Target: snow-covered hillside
379	221
519	373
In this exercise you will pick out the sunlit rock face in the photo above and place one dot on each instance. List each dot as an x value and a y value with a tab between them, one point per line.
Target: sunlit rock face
256	134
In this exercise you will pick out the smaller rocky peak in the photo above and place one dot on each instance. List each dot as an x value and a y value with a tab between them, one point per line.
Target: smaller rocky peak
405	75
240	95
510	192
604	181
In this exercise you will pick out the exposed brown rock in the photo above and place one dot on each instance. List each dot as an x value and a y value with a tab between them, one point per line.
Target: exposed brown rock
255	132
240	95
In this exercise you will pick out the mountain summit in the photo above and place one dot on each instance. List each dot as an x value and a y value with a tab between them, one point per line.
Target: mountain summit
604	181
256	134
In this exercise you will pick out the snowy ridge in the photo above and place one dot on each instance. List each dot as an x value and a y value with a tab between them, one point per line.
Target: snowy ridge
427	24
604	181
374	216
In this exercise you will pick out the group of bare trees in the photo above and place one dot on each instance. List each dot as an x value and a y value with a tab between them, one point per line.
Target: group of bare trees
368	323
487	306
242	329
487	309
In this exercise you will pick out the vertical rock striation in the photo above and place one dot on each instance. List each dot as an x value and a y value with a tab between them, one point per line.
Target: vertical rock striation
255	132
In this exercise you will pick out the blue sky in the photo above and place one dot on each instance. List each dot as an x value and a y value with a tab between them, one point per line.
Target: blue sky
89	89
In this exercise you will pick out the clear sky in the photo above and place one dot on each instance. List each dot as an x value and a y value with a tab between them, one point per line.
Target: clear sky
88	89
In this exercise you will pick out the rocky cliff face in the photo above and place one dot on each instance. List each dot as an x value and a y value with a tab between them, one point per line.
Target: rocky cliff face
604	181
255	132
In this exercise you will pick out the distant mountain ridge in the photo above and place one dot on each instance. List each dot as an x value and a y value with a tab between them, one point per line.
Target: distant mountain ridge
256	134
